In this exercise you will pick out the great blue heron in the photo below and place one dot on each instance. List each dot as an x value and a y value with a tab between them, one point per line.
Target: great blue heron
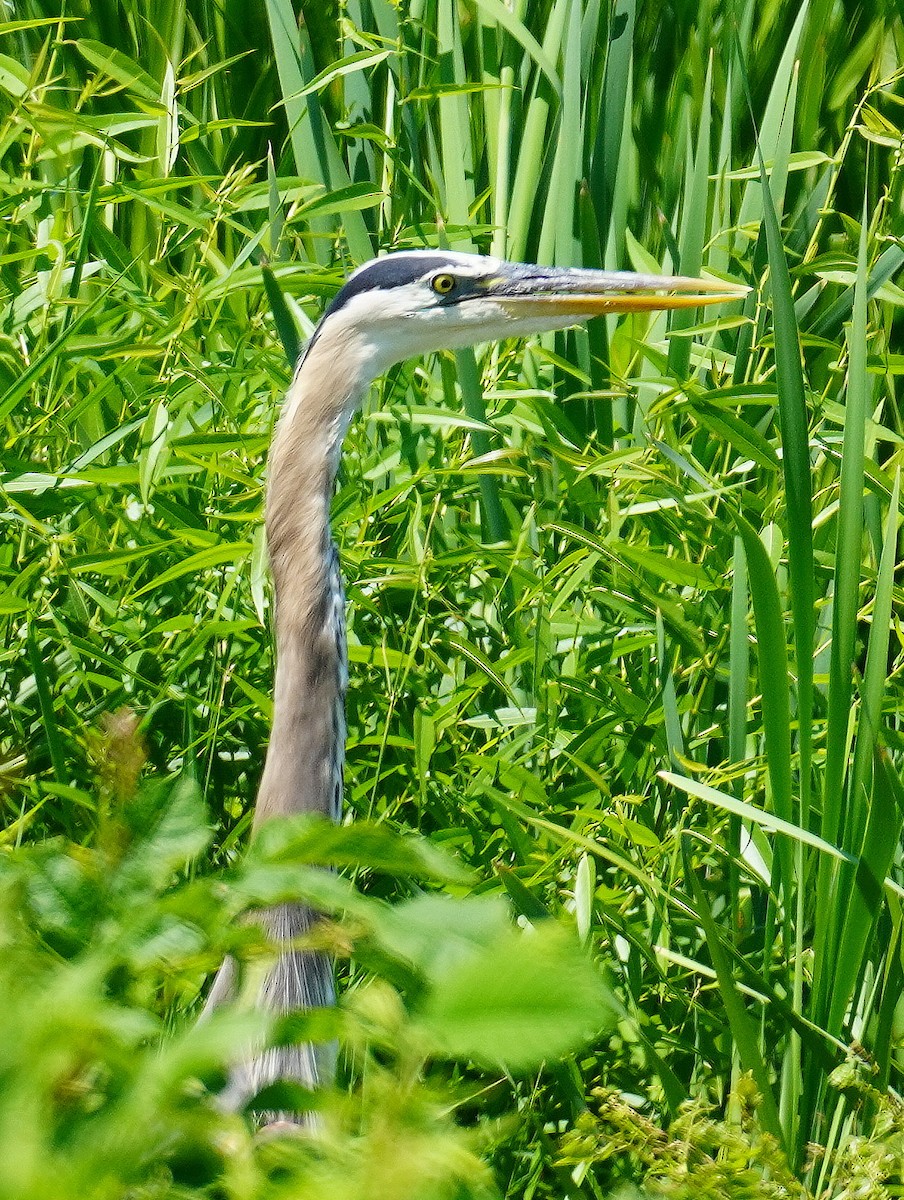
408	303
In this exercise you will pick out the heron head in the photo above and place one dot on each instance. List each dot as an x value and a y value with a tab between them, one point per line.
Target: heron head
418	301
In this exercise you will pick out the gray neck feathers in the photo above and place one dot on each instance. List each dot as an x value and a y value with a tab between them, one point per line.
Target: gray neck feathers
303	771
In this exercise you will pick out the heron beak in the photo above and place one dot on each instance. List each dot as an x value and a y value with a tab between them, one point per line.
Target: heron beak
537	291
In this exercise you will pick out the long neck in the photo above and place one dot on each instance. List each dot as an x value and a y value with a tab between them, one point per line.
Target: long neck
303	771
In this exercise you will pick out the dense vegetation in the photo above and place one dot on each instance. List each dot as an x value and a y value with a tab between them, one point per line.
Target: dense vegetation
625	624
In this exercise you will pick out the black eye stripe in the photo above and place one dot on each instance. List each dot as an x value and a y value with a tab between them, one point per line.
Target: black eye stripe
389	272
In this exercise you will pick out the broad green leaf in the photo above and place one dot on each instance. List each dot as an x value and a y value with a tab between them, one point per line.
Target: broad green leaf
516	1000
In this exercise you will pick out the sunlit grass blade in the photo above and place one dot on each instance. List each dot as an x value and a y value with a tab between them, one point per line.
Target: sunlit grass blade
838	816
794	421
498	14
693	230
765	820
875	801
51	729
610	120
864	903
743	1029
885	267
848	555
316	156
875	672
496	98
558	243
455	143
769	126
497	525
532	147
772	662
738	676
282	316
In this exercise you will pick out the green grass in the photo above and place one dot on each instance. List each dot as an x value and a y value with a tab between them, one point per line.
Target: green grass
624	617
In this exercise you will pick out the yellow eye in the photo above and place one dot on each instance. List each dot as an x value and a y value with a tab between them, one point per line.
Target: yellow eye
443	284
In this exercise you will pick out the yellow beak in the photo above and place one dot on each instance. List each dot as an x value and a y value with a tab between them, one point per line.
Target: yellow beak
526	291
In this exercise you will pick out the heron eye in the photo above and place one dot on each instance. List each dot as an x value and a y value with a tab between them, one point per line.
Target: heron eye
443	284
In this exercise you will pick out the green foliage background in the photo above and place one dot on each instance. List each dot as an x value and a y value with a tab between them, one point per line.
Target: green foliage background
624	612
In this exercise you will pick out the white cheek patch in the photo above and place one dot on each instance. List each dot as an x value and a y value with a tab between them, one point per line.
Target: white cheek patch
378	327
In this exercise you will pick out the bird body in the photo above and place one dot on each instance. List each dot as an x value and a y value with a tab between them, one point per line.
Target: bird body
396	307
